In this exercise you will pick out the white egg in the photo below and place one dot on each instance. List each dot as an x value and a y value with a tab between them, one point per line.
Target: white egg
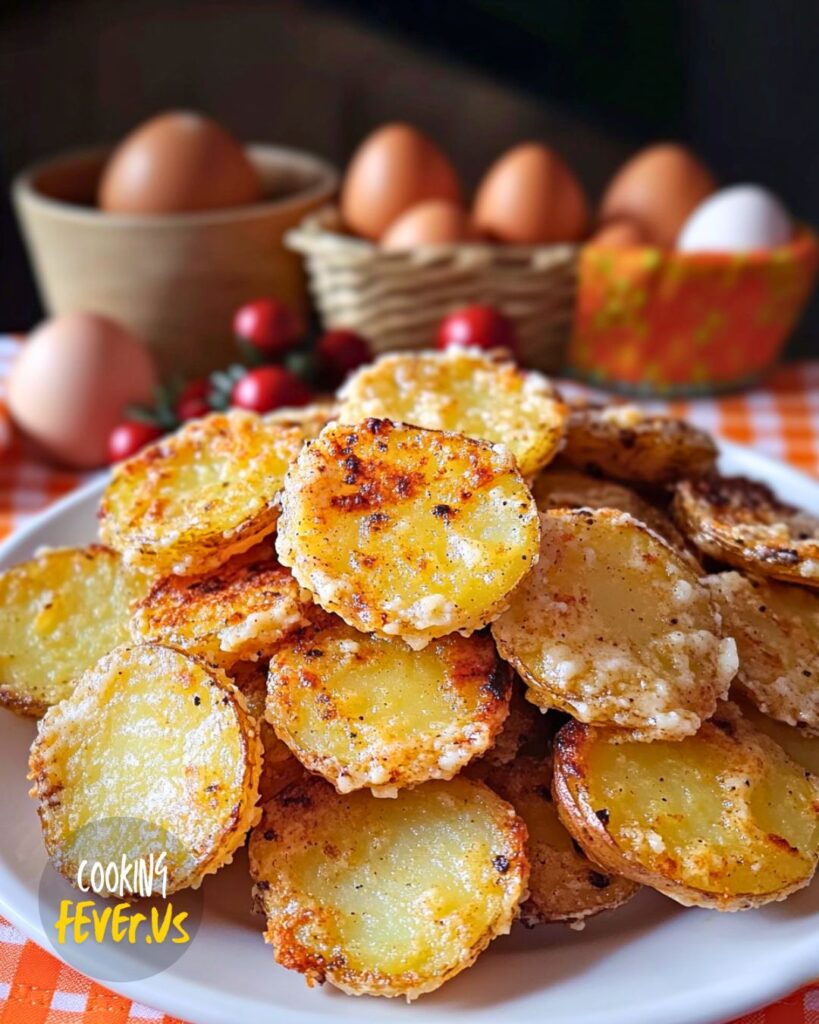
736	219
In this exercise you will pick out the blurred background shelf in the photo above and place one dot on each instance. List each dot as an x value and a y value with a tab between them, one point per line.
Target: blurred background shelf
597	80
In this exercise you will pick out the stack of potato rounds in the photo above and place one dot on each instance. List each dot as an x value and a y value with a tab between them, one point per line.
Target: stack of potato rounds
449	650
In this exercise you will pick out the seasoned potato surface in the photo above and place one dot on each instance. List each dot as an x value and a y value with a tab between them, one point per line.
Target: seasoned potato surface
149	734
613	627
189	502
776	628
569	488
407	532
627	443
466	391
564	885
723	819
387	897
797	742
743	523
238	611
59	613
368	711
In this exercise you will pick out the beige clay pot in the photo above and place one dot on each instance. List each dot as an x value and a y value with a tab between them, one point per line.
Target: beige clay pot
174	280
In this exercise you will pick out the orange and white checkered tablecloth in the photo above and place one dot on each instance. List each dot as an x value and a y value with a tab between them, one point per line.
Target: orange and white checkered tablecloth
781	419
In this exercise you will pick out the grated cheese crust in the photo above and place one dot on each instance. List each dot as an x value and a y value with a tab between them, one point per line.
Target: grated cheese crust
407	532
613	627
363	711
236	612
191	501
776	628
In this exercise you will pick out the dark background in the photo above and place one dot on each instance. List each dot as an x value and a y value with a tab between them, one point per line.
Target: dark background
736	79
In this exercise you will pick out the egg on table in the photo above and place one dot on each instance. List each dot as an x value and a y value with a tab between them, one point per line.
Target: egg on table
394	169
70	384
737	219
435	222
658	188
529	196
178	162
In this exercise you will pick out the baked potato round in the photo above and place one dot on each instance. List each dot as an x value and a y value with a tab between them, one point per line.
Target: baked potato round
743	523
613	627
628	443
407	532
724	819
466	391
59	613
387	897
190	501
153	735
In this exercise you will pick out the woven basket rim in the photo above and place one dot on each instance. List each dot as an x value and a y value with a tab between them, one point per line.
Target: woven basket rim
312	236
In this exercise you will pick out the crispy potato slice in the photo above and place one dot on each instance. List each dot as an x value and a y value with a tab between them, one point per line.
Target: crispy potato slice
154	735
407	532
309	419
776	628
569	488
564	885
364	711
628	443
743	523
723	819
387	897
236	612
797	742
59	613
191	501
466	391
613	627
279	767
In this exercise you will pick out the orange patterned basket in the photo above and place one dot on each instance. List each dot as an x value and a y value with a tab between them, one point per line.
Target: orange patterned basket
673	323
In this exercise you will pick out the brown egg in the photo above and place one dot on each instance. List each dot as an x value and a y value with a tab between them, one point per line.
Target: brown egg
178	162
658	188
394	168
71	382
435	222
619	234
530	197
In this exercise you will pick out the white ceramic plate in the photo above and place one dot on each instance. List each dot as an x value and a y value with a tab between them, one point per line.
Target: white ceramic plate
650	963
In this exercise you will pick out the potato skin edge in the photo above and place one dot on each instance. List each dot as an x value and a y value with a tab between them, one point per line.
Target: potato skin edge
590	832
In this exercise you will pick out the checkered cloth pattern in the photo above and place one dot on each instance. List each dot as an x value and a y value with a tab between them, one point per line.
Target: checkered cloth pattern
780	419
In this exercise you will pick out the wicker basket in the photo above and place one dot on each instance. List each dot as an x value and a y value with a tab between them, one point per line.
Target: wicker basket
397	300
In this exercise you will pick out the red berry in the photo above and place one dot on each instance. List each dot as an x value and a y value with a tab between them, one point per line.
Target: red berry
128	437
267	388
191	408
269	325
196	388
479	326
193	400
339	352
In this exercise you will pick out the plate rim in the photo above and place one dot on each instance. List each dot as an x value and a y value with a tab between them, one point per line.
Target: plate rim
188	998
